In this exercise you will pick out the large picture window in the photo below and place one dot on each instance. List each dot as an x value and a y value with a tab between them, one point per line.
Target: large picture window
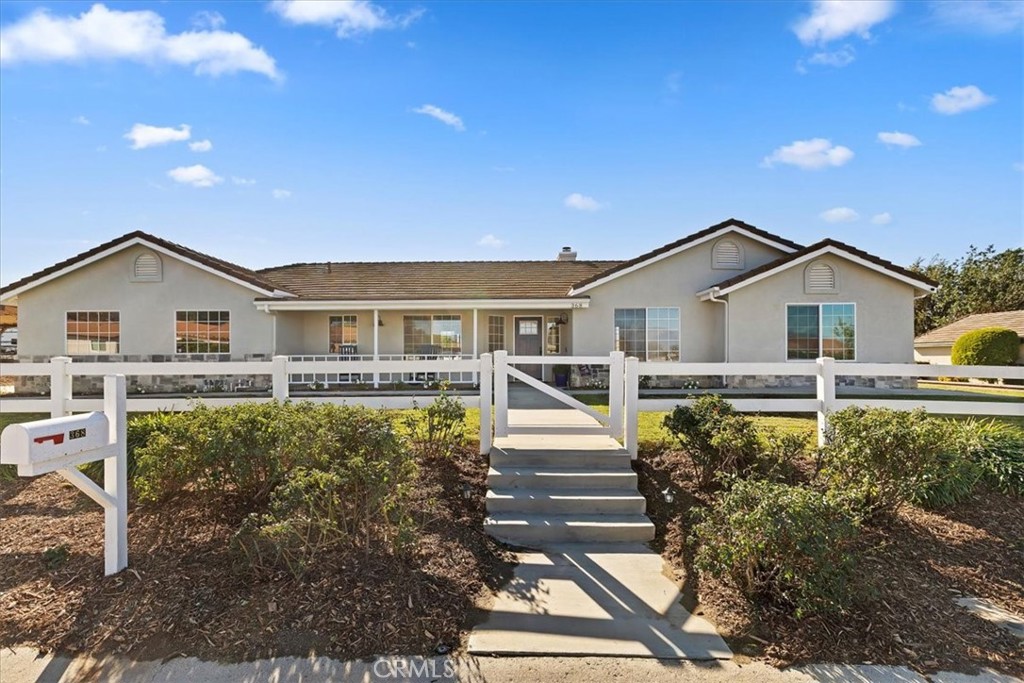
202	332
89	332
432	335
495	333
814	330
344	332
650	334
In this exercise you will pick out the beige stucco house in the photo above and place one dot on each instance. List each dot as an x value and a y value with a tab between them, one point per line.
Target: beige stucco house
936	346
729	292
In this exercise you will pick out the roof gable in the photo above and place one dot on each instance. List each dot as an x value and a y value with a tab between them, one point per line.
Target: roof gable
673	248
827	246
229	271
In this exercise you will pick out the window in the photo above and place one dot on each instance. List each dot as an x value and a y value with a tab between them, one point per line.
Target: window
820	278
495	333
650	334
814	330
432	335
344	331
147	268
553	339
727	255
530	327
202	332
89	332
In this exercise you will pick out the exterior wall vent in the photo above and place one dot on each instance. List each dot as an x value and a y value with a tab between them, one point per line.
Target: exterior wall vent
820	278
147	268
567	254
727	255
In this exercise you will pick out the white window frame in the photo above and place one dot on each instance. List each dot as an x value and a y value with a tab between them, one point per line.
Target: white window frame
819	304
174	328
120	348
647	330
433	317
504	333
341	315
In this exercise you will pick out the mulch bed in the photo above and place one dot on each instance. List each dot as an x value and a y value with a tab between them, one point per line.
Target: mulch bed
914	564
186	593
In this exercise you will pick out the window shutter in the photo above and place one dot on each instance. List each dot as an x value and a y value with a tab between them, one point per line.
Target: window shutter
147	267
821	278
727	255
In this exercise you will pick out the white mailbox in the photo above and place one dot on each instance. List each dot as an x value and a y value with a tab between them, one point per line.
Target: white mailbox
65	441
49	445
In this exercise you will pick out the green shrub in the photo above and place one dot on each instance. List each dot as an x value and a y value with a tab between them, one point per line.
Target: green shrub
717	440
952	480
438	429
987	346
140	428
998	450
778	452
789	545
878	457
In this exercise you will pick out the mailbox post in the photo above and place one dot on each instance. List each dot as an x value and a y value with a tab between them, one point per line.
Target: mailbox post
60	444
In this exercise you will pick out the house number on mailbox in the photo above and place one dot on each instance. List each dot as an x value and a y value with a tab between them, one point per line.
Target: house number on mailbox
76	433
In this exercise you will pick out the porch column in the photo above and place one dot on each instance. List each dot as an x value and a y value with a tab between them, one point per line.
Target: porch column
476	332
376	348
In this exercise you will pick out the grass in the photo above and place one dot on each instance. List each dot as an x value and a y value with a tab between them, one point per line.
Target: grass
1013	392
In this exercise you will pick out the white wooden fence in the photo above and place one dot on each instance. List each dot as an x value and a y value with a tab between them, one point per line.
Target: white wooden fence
624	386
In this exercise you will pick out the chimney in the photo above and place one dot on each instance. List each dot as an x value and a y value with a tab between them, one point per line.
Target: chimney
567	254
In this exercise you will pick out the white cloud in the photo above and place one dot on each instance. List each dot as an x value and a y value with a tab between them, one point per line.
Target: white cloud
441	115
898	139
208	19
281	194
347	17
840	214
242	181
884	218
812	154
491	242
81	120
582	202
983	16
837	58
143	136
834	19
196	176
960	99
140	36
200	146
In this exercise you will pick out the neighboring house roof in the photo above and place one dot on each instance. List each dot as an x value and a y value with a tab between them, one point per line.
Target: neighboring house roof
672	248
826	246
224	268
441	280
947	334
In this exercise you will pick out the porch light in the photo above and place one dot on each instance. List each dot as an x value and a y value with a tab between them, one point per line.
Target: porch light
669	495
380	321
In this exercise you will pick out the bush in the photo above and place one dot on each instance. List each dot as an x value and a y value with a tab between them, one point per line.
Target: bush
440	428
779	450
786	544
952	480
998	450
878	457
718	441
987	346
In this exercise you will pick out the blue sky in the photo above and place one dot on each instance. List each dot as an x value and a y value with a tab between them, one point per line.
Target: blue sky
368	131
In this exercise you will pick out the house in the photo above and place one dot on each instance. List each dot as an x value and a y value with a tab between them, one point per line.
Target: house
936	346
730	292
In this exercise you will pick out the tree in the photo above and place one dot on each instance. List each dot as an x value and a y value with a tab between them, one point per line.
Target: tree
983	281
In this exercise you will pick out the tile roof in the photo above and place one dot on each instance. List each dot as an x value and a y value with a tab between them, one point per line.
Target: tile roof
947	334
433	279
732	222
231	269
772	265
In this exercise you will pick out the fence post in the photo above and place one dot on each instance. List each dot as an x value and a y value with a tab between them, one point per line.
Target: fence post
826	382
486	374
616	384
500	394
60	386
115	476
279	374
632	388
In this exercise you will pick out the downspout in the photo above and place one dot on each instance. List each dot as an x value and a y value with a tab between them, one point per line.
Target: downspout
725	302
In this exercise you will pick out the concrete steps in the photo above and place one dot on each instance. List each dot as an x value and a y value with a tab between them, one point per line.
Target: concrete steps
550	490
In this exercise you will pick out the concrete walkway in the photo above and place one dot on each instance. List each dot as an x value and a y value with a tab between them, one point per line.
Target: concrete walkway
606	600
25	665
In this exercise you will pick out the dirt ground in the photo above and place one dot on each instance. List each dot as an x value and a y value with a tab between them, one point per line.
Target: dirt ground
914	564
185	592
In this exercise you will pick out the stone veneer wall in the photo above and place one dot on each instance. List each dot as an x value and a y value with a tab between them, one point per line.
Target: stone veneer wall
150	384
